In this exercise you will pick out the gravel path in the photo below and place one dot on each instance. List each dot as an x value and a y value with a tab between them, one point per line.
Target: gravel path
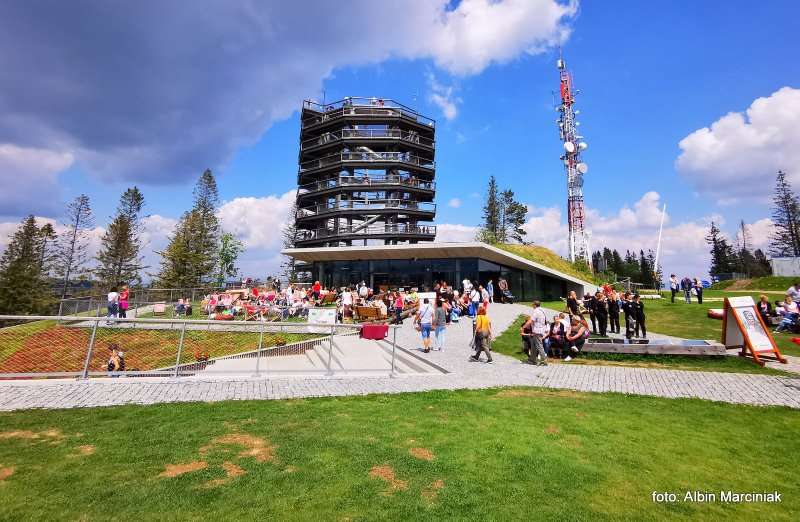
462	374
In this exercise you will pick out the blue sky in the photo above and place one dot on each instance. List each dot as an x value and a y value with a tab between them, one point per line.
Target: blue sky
650	75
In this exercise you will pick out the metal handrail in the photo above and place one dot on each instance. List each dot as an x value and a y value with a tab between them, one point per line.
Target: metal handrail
330	137
361	181
367	204
73	319
364	156
398	228
357	102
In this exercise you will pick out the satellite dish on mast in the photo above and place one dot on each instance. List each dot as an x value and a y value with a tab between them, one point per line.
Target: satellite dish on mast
582	145
569	146
583	168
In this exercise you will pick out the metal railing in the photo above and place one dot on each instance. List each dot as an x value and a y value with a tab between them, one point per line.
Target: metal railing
372	230
90	304
51	346
366	205
357	106
369	134
368	157
366	182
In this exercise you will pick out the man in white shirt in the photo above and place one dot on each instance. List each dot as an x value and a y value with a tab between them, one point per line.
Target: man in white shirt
474	302
347	302
673	285
794	292
112	304
467	285
425	322
538	325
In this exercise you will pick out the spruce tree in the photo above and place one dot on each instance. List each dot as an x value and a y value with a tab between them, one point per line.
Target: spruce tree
722	255
785	240
490	230
229	250
512	217
289	239
48	237
23	287
74	242
119	259
191	257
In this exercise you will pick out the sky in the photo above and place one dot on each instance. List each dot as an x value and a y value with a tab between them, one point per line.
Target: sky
695	105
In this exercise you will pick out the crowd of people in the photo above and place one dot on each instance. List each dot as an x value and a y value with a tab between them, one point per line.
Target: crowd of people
689	286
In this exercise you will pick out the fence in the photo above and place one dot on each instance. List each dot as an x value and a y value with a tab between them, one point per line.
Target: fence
45	346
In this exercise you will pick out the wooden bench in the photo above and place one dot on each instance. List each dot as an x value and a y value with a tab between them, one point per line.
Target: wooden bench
328	299
369	313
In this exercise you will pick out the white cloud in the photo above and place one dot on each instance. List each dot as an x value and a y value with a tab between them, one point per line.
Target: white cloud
758	234
454	203
29	179
256	62
443	96
449	233
737	157
258	222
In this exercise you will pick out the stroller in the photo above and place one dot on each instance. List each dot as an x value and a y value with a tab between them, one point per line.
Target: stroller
508	297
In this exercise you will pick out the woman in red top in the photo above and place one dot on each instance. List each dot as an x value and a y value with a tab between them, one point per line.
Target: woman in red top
316	290
123	301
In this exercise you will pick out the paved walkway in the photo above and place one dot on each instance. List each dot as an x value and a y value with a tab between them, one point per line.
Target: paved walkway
505	371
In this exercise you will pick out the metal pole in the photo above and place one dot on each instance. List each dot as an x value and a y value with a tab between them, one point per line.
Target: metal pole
89	350
258	352
330	351
394	347
98	310
180	350
60	307
90	307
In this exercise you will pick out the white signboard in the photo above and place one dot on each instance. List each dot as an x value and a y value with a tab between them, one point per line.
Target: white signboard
431	296
321	317
744	310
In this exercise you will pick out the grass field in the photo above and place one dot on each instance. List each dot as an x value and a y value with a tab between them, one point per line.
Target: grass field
777	283
509	343
513	454
691	321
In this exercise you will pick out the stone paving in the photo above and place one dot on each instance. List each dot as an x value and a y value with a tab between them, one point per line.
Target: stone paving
462	374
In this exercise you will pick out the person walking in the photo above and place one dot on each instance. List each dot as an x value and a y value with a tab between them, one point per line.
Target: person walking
572	303
483	334
601	313
673	285
474	301
112	304
698	289
440	324
686	286
613	312
490	290
639	316
538	327
425	323
485	298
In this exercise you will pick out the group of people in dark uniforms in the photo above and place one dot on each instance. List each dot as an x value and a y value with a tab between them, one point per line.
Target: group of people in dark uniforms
604	309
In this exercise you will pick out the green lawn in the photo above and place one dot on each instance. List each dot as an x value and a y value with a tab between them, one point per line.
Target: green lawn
509	343
692	321
513	454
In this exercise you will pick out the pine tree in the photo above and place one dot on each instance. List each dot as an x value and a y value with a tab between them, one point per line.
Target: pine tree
289	239
23	288
512	217
191	257
490	231
119	259
617	265
762	266
722	255
229	250
47	235
785	240
74	242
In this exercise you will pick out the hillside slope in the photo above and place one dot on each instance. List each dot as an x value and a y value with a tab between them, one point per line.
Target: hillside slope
548	258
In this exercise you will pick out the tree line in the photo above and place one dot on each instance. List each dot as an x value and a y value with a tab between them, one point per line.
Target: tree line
739	256
37	259
609	265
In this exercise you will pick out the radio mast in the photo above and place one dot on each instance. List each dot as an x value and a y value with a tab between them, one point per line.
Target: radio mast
574	167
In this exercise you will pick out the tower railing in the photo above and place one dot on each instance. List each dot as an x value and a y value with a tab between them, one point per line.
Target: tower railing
376	134
400	229
367	157
366	205
366	182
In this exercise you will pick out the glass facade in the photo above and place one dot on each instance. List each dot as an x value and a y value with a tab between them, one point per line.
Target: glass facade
392	274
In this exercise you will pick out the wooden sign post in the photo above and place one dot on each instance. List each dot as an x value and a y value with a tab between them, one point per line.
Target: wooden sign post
743	327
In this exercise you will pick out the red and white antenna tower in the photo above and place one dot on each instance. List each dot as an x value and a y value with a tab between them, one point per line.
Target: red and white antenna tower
574	167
